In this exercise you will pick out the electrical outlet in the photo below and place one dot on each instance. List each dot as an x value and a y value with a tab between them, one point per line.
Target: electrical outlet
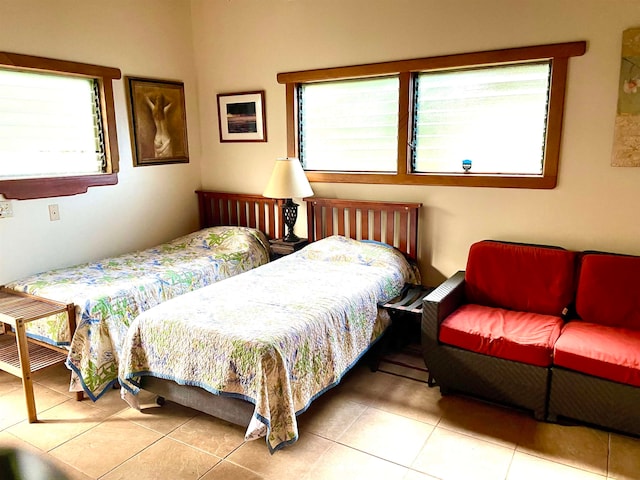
54	213
6	210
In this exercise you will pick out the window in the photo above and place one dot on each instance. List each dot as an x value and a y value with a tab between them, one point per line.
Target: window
350	125
479	119
57	127
493	117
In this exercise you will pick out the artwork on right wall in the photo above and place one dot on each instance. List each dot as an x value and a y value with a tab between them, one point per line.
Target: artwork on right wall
626	137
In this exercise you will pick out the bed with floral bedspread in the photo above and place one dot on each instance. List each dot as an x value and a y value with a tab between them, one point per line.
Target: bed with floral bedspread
277	336
110	293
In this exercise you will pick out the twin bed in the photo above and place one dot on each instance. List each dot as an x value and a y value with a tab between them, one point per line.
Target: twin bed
268	342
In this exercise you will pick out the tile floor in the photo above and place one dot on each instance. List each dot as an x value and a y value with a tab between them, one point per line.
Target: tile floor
372	426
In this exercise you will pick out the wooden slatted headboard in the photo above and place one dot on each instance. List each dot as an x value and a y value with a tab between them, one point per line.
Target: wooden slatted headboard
393	223
239	209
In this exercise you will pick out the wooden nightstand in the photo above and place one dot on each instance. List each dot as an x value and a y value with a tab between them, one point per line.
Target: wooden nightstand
280	248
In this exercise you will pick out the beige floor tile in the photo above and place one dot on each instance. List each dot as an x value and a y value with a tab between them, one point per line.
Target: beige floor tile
56	377
408	398
529	467
292	462
624	457
228	471
576	446
110	402
210	434
8	382
329	416
451	455
415	475
8	440
492	423
163	419
118	440
12	408
58	424
165	459
361	385
70	472
341	462
388	436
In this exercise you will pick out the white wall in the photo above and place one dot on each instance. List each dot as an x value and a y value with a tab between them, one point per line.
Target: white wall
151	204
241	45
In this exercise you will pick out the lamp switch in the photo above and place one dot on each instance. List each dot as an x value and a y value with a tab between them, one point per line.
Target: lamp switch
54	213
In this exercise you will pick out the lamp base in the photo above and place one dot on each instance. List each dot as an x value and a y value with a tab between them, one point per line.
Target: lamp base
290	213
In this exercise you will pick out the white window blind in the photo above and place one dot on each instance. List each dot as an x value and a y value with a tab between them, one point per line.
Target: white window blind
49	126
493	116
349	125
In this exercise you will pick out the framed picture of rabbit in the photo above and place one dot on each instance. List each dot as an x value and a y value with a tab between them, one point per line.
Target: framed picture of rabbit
158	121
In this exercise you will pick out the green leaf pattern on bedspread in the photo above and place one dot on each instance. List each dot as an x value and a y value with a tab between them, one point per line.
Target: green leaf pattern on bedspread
278	335
112	292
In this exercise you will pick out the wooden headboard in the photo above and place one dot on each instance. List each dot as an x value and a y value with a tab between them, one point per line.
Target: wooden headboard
239	209
393	223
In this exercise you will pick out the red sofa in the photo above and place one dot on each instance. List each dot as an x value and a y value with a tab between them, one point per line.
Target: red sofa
596	366
541	328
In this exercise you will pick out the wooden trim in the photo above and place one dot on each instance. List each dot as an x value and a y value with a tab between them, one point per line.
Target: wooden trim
239	209
488	57
292	124
43	64
30	188
395	223
557	53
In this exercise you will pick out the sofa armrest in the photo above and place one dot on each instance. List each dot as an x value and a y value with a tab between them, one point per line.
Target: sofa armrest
441	303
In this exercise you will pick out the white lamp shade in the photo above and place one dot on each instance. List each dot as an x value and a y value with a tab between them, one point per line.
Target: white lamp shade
288	180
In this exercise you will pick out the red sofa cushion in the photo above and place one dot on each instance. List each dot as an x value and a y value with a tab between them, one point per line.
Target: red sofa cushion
609	290
607	352
519	336
525	278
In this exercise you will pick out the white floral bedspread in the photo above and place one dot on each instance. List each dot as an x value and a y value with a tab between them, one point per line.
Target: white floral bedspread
277	336
110	293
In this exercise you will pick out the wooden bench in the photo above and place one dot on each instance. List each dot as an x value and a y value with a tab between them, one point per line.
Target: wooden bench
22	357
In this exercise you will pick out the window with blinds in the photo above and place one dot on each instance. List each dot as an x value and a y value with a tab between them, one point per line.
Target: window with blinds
349	125
50	125
489	120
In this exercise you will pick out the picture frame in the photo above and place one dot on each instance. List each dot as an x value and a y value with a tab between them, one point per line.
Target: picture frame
158	121
242	117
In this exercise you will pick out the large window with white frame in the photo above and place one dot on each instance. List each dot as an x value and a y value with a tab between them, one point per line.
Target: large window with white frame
57	127
479	119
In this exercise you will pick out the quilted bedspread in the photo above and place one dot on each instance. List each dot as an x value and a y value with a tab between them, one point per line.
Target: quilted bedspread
277	336
110	293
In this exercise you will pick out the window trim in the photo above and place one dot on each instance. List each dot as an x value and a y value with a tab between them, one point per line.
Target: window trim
30	188
558	54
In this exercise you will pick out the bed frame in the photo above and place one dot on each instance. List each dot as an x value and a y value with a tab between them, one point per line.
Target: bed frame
393	223
239	209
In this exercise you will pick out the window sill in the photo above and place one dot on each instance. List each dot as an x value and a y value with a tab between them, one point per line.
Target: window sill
547	181
31	188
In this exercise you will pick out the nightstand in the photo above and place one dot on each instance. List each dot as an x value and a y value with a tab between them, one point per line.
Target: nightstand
280	248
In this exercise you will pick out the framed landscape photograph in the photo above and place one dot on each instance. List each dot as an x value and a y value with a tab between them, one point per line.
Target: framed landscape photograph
241	117
158	121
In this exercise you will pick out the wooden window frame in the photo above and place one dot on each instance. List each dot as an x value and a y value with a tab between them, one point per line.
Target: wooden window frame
29	188
558	54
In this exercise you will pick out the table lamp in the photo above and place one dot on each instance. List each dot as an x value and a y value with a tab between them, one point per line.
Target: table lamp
288	180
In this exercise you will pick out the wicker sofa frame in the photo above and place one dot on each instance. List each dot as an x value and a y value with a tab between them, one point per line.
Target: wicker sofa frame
595	401
457	370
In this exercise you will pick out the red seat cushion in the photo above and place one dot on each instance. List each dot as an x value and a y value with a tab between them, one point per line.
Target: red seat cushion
609	290
520	336
607	352
519	277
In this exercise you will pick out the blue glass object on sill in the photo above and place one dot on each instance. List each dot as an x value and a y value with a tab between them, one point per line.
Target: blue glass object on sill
466	165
